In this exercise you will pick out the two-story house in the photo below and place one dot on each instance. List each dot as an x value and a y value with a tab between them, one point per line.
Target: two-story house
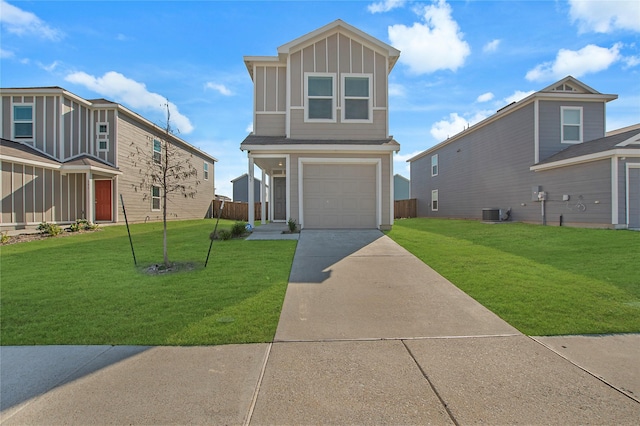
65	158
545	159
321	129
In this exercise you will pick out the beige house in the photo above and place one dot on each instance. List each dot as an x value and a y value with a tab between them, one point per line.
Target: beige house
321	130
65	158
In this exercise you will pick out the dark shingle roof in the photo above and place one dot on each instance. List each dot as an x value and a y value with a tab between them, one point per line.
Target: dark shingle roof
593	147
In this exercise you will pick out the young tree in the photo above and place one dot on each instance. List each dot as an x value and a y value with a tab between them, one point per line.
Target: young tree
167	168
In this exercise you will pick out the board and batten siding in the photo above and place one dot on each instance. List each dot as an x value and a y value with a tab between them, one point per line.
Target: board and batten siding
63	128
132	134
27	195
338	54
550	126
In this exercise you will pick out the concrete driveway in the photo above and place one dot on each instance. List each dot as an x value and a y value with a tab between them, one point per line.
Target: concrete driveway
358	285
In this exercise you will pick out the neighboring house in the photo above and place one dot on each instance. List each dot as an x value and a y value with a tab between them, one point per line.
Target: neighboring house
321	129
546	158
241	188
65	158
401	187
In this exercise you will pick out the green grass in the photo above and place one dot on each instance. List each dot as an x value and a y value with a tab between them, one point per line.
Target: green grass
542	280
85	289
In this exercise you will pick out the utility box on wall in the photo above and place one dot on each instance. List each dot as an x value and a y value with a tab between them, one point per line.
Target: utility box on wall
535	190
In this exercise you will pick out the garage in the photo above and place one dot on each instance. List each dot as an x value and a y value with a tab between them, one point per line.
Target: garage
339	196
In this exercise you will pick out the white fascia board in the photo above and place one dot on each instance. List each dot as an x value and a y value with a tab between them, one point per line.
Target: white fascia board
587	158
635	139
321	148
86	168
11	159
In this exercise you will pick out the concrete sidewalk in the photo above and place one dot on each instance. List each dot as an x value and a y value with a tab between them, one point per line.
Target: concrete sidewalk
368	335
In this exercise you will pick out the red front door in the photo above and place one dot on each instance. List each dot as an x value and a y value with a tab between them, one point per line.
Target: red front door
103	200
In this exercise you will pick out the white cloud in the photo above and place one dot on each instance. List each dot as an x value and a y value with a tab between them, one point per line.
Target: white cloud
518	95
249	128
605	16
577	63
19	22
436	44
5	54
220	88
492	46
444	129
132	93
631	61
485	97
49	67
401	158
396	90
385	5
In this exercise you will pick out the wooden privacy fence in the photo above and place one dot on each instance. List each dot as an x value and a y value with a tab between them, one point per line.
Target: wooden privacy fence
403	209
237	210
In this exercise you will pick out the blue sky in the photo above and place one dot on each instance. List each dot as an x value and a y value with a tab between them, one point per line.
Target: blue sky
460	60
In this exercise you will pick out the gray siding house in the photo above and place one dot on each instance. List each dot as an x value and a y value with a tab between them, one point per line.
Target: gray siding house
321	129
401	187
65	158
241	188
545	159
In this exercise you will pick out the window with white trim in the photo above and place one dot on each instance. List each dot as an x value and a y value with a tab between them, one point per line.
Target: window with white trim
157	151
320	99
23	121
206	171
103	137
434	200
356	98
155	198
571	124
434	165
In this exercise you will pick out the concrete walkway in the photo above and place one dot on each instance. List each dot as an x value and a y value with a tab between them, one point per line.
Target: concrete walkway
368	335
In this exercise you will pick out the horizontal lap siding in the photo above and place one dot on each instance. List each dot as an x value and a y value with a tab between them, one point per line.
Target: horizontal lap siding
551	124
357	131
139	208
590	180
485	169
270	125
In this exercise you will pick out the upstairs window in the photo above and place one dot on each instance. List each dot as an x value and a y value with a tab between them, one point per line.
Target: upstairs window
320	97
206	171
103	136
434	165
356	101
157	151
23	121
571	124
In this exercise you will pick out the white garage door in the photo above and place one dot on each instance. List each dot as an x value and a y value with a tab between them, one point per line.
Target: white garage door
339	196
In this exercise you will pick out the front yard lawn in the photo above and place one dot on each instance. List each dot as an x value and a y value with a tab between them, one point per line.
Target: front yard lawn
84	289
542	280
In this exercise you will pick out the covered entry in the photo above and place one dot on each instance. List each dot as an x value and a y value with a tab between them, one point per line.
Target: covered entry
339	195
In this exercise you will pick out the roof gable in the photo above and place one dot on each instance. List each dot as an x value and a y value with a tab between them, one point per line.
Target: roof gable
339	26
569	85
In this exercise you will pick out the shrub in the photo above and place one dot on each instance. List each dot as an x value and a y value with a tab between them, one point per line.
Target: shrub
225	235
238	229
4	237
49	228
291	223
82	225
